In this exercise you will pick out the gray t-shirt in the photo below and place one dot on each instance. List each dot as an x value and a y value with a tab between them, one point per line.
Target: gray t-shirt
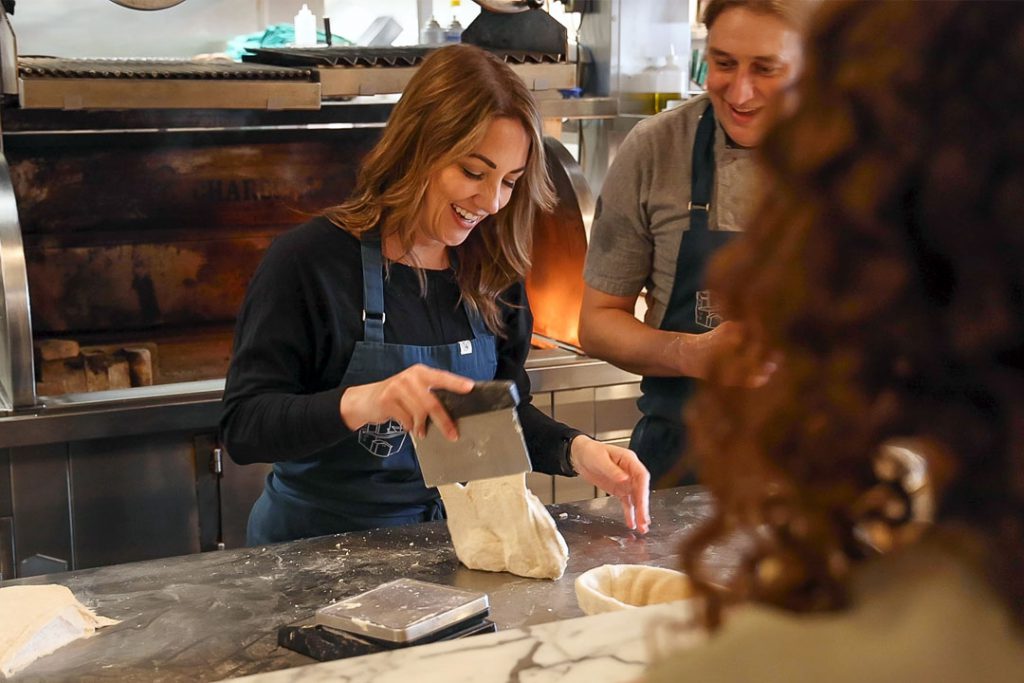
642	212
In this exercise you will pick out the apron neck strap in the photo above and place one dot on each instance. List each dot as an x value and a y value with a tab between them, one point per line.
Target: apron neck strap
373	291
373	287
702	171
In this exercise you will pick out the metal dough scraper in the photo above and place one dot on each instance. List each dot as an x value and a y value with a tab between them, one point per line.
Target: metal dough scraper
490	440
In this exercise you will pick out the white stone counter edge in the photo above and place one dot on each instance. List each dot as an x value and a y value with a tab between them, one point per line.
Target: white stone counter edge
615	646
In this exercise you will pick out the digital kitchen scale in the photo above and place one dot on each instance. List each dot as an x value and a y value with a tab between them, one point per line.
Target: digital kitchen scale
397	614
403	610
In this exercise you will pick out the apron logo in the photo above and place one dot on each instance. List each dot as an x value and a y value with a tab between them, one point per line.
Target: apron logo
707	313
465	347
382	440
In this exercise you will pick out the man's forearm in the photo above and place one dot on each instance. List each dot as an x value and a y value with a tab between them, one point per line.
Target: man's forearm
622	340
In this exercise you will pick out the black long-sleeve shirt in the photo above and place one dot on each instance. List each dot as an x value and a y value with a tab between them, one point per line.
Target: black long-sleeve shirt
297	330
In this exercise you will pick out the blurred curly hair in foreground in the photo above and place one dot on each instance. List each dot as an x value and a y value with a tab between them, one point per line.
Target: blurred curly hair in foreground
884	274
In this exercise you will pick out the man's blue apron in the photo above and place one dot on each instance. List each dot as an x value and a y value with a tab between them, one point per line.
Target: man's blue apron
371	479
660	437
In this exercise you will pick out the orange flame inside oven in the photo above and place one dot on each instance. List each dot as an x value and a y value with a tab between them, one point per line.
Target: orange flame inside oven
555	283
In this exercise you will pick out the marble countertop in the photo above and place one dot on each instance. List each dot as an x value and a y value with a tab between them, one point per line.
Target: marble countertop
215	615
614	646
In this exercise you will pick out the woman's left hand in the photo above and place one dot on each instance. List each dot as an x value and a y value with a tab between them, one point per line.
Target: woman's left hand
619	472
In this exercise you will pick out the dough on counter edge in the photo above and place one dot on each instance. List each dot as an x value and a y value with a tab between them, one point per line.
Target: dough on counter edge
49	617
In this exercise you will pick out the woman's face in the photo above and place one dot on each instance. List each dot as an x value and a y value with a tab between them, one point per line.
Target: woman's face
751	57
478	185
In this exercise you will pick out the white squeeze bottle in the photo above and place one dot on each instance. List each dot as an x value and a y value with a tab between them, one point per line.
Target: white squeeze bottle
453	34
432	33
305	28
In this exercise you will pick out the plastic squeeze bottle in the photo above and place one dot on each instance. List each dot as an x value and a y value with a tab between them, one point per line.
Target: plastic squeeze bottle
305	28
453	34
431	33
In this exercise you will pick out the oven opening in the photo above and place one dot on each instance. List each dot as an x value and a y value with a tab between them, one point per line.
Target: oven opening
143	288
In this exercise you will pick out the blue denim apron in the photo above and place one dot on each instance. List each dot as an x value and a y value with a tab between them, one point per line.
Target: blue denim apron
370	479
660	436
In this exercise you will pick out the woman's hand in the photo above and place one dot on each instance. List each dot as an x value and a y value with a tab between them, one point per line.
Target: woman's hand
617	471
406	398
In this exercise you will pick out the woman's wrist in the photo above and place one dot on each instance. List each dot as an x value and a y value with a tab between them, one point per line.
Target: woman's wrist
347	408
569	458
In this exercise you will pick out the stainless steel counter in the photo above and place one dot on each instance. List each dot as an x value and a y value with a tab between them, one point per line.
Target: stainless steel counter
196	405
215	615
104	478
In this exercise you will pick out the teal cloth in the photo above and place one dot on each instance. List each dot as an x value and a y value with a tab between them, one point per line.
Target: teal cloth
276	35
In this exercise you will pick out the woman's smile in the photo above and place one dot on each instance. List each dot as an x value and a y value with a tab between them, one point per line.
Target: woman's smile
467	219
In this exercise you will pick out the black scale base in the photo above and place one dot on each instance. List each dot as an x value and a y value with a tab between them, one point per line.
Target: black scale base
325	644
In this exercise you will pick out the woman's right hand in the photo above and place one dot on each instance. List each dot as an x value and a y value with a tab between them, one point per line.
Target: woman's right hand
406	398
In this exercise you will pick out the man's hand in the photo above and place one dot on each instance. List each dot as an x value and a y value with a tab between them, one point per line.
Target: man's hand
702	349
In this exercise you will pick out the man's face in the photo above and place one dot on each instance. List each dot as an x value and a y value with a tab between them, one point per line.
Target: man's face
751	57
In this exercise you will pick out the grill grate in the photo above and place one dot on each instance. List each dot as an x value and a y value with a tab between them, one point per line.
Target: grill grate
355	56
156	69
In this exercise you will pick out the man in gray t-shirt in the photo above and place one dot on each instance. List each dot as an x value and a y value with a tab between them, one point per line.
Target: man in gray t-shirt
643	212
682	183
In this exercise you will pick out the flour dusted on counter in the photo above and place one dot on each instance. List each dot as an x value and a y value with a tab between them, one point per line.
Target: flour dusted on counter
498	525
38	620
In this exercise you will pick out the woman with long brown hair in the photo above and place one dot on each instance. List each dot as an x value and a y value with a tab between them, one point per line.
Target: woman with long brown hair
885	276
413	284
